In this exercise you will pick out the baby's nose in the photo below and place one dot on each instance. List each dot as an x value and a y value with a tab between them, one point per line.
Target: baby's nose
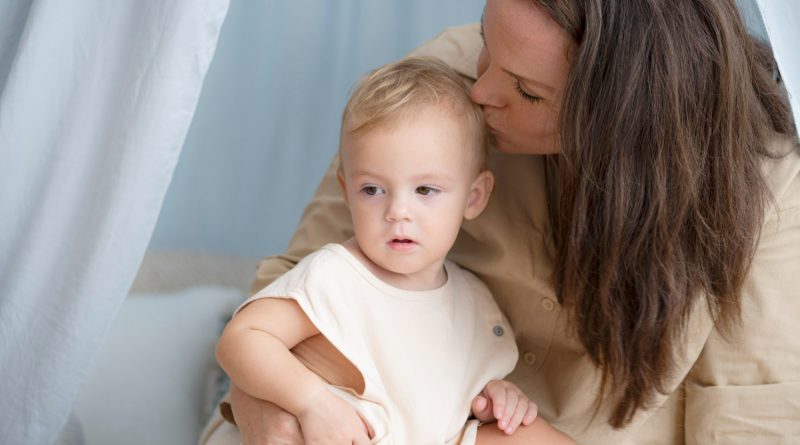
398	211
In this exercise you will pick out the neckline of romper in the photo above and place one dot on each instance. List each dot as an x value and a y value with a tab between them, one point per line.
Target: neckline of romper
431	295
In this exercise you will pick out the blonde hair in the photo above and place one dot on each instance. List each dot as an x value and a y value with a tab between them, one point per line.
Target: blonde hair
394	91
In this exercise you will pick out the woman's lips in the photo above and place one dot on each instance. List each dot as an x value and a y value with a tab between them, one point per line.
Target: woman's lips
490	121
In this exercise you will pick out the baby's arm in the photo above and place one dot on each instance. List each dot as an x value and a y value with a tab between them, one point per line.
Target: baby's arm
255	352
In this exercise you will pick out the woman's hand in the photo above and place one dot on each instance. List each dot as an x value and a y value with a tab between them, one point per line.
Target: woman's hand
327	419
505	402
263	423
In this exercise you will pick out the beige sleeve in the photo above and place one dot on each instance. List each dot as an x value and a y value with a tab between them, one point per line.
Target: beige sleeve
745	389
326	218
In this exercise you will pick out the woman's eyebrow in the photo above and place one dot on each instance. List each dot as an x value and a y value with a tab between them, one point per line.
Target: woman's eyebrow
530	81
513	74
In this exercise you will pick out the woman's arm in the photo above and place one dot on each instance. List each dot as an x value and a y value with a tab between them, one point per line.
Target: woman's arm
261	422
538	432
745	386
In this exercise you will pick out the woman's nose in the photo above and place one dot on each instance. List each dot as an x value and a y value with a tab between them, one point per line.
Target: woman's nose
484	91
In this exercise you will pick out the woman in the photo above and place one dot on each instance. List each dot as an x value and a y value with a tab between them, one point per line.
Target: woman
648	263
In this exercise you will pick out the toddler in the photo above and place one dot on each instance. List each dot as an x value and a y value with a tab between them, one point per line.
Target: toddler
426	337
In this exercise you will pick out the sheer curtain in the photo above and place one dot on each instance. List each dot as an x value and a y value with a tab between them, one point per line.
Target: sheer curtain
95	102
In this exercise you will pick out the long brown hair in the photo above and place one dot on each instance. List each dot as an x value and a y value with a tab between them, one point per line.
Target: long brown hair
660	196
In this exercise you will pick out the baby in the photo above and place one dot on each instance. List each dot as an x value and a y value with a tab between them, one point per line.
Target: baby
426	337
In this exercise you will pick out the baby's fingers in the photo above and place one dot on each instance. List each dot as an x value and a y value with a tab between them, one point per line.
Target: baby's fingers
504	416
482	408
531	413
524	414
499	401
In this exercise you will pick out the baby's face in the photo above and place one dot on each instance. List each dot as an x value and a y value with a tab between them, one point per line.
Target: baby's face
408	186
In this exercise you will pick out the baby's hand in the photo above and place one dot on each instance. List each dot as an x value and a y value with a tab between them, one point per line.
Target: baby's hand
505	402
328	419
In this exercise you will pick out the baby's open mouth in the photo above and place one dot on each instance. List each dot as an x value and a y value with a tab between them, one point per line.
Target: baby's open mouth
402	244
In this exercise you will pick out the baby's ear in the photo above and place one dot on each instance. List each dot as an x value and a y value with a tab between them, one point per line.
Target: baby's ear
343	185
479	193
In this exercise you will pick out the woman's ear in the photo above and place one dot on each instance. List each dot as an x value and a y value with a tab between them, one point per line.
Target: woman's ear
343	185
479	193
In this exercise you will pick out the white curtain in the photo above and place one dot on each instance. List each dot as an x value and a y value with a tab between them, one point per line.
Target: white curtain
782	21
96	98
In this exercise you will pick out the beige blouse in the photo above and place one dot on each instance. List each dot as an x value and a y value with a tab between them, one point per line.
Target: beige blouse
742	391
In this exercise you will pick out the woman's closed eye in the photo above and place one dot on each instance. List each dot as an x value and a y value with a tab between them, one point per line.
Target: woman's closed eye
372	190
525	95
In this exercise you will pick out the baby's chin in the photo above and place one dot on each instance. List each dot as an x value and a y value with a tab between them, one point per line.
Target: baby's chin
397	266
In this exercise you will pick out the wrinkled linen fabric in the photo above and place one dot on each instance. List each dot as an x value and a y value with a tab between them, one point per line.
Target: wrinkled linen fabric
95	102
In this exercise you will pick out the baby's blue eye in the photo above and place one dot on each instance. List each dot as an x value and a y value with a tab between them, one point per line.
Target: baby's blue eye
372	190
425	190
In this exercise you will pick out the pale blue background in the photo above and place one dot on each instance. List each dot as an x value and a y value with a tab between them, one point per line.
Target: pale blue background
268	118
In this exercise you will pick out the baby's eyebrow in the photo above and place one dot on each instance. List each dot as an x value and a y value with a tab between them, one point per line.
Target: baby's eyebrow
433	176
359	173
422	177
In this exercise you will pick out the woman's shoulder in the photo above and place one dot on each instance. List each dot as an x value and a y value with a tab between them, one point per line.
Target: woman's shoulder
458	46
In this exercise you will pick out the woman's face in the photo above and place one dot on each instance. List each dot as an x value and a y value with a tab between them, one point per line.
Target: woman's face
522	74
